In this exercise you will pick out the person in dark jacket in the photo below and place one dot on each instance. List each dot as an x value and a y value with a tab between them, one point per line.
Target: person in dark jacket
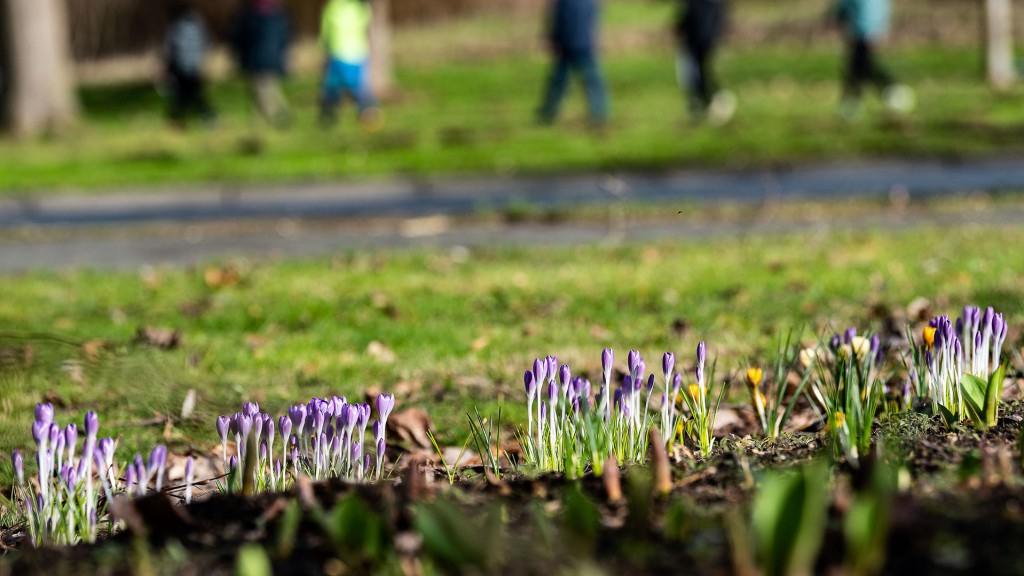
572	38
699	28
260	40
184	53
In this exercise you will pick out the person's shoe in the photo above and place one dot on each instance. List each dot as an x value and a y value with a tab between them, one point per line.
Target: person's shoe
372	119
722	108
899	98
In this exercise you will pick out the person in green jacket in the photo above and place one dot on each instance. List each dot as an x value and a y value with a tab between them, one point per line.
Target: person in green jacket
345	37
866	24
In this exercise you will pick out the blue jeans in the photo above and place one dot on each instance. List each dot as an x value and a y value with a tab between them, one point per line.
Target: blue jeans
342	78
584	63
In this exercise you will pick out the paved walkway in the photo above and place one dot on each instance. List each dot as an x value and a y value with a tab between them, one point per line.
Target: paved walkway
130	229
423	197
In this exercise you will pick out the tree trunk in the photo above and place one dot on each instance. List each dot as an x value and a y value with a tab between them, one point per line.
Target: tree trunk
382	78
38	90
999	64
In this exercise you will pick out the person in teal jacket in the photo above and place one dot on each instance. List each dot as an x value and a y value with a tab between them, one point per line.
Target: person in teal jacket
866	25
345	37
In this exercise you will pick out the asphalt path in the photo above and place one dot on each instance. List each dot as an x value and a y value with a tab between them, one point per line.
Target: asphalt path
114	230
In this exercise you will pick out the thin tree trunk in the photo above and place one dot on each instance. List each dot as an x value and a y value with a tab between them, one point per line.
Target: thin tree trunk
382	78
38	91
999	64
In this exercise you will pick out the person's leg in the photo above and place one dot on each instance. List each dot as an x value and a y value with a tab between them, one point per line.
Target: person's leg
558	80
201	103
175	96
873	71
331	91
593	81
857	68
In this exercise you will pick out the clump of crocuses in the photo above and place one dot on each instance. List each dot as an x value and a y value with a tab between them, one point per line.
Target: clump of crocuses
570	430
323	438
67	501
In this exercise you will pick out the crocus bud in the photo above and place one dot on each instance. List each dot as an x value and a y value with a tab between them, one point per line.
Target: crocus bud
552	368
363	416
668	363
41	433
285	425
677	382
849	335
244	425
54	433
607	358
997	325
357	451
564	375
650	383
92	424
223	423
380	446
250	409
540	370
552	392
631	360
189	477
385	404
701	357
233	462
543	410
986	322
19	466
44	413
531	385
378	430
297	414
71	437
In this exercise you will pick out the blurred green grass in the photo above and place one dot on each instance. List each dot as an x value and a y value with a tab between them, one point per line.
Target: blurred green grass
466	106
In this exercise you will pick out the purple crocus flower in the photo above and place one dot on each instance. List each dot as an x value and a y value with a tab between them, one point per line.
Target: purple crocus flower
531	386
41	433
250	409
650	383
284	423
543	410
54	433
564	375
378	431
631	360
380	446
19	466
552	368
552	393
92	424
233	462
668	363
607	359
849	335
702	352
223	425
576	405
677	383
44	413
364	415
129	479
540	370
297	414
244	425
986	322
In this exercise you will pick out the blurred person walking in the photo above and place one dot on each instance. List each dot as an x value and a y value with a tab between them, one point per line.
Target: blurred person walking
184	53
260	40
345	37
866	25
699	29
572	39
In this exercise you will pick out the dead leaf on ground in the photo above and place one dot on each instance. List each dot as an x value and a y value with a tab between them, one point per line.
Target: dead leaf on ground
480	343
17	356
381	352
411	425
162	338
93	348
57	400
221	276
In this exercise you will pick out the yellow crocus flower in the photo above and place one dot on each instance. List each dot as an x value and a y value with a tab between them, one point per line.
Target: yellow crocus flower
754	376
929	336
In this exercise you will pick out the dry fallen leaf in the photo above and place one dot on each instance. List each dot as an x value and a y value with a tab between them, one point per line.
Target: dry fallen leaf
411	425
221	276
381	352
162	338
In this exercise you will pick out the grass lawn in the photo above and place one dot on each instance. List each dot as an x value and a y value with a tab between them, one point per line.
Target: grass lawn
456	330
470	110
